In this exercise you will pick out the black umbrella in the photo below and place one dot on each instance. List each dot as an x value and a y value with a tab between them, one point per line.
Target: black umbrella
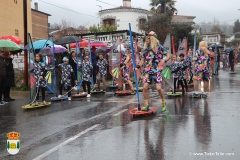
68	40
17	51
213	46
228	50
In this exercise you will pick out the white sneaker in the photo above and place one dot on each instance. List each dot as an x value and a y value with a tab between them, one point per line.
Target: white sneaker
69	98
44	102
59	96
84	92
36	103
2	103
88	95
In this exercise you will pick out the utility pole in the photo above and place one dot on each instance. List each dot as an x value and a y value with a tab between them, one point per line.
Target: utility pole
25	42
100	14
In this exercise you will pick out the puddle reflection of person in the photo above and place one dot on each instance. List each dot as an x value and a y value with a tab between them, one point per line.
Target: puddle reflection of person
202	123
156	152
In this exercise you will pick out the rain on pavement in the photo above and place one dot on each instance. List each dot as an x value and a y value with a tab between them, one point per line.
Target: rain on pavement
101	128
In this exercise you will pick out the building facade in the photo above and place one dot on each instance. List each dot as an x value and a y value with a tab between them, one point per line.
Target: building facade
40	25
183	20
120	17
213	38
11	18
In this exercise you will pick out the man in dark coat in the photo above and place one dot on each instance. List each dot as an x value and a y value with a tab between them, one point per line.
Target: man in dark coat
9	80
3	65
94	62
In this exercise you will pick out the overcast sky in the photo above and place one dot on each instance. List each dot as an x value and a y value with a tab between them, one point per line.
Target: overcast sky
204	10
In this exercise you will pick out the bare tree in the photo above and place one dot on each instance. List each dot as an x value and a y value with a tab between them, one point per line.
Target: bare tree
65	27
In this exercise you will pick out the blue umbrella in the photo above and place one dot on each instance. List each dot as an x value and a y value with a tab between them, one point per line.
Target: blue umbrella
41	44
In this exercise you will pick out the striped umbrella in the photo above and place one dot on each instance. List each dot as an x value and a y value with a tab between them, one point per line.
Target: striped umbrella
6	45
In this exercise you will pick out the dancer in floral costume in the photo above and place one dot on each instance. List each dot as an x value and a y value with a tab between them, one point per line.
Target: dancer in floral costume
174	67
67	75
153	59
126	62
181	74
87	70
102	71
39	70
202	66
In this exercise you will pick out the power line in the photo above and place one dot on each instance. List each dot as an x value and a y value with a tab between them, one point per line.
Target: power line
107	3
68	9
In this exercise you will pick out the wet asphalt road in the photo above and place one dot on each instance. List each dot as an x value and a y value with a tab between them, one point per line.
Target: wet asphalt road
101	128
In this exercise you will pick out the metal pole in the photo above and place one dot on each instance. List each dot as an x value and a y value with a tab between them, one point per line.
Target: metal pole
25	42
100	15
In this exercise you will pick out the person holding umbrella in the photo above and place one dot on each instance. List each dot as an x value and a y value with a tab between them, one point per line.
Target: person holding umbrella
94	60
9	80
212	57
73	62
231	60
3	65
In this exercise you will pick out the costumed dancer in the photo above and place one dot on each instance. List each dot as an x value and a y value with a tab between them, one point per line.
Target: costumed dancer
174	67
67	76
190	64
181	73
39	70
154	57
202	67
126	60
102	71
87	70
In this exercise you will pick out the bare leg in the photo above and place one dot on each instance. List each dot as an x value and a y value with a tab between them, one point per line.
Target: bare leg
160	91
206	86
98	81
104	82
130	84
145	91
195	85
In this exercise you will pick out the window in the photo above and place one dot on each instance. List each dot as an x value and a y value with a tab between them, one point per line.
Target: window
110	22
16	33
142	23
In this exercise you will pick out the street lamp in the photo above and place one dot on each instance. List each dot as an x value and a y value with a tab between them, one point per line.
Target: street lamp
100	13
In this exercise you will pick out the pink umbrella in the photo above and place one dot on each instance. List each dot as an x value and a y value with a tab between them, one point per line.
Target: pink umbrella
98	44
